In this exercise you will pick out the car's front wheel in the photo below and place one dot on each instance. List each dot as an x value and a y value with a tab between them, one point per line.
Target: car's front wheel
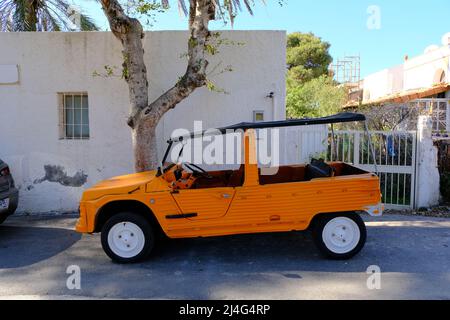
339	236
127	238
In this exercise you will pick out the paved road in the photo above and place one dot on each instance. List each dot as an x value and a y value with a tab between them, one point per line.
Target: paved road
412	252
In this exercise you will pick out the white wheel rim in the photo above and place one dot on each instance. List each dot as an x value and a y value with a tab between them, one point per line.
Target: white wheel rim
341	235
126	239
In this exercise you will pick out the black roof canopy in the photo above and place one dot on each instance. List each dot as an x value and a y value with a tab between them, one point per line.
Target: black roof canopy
338	118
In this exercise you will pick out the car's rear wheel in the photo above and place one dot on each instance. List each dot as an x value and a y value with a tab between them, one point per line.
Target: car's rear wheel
127	238
339	236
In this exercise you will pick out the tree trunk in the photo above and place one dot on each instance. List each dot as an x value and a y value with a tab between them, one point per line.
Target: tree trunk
144	117
145	147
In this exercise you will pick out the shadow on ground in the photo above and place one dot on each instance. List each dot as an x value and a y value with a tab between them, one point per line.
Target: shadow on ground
397	249
24	246
268	266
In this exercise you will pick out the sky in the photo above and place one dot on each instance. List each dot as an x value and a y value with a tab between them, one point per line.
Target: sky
382	32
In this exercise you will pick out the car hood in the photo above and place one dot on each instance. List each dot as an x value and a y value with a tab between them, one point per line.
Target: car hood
118	185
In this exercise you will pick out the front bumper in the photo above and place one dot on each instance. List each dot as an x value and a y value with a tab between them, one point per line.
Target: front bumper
13	195
82	223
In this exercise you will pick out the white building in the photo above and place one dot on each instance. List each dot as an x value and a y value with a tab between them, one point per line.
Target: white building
424	76
62	129
422	85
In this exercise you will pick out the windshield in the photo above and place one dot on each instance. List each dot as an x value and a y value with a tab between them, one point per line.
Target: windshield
164	163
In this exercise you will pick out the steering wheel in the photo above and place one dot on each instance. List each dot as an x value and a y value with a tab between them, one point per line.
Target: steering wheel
197	170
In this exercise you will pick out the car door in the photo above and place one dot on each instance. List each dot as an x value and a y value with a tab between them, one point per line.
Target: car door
203	204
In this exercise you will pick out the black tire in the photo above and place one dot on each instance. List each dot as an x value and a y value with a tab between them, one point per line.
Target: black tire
2	219
318	234
143	224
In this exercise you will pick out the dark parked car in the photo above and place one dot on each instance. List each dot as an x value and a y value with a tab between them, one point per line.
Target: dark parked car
9	195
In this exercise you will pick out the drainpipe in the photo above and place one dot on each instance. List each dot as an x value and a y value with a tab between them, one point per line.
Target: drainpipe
271	96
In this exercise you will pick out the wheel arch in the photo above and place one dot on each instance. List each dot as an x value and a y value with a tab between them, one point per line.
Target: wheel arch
317	216
117	206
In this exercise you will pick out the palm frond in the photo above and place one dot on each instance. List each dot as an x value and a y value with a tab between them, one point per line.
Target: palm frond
232	7
88	24
41	15
47	22
181	7
19	17
53	15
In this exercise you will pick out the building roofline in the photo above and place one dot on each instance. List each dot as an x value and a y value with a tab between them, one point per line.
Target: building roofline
404	96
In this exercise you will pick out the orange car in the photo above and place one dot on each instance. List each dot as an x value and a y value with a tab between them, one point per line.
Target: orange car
184	201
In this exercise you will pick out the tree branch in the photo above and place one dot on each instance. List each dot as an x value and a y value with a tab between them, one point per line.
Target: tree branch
118	20
130	32
201	13
144	117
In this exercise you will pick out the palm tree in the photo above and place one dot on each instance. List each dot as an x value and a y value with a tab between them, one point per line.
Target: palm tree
226	9
41	15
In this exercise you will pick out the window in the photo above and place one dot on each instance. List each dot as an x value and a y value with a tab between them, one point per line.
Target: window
9	74
258	116
74	116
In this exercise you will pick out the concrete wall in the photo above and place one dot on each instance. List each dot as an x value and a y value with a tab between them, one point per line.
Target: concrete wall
49	63
422	71
383	83
427	181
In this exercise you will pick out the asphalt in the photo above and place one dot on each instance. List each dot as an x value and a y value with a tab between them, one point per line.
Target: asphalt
413	254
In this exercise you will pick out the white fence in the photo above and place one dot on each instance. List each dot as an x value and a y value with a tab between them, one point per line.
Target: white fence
395	154
300	144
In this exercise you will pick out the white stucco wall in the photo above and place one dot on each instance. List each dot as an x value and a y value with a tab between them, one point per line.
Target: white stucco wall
418	72
421	71
383	83
64	62
427	181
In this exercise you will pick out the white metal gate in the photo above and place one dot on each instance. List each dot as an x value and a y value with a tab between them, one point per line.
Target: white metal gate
395	153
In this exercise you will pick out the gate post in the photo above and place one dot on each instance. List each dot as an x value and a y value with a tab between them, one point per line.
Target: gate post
356	147
427	174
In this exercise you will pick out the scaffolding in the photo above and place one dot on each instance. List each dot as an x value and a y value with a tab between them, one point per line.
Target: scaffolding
347	71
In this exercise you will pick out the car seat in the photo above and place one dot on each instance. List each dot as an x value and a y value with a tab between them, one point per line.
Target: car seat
318	169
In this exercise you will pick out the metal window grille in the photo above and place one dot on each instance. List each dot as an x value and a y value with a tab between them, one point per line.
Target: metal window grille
439	109
74	116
